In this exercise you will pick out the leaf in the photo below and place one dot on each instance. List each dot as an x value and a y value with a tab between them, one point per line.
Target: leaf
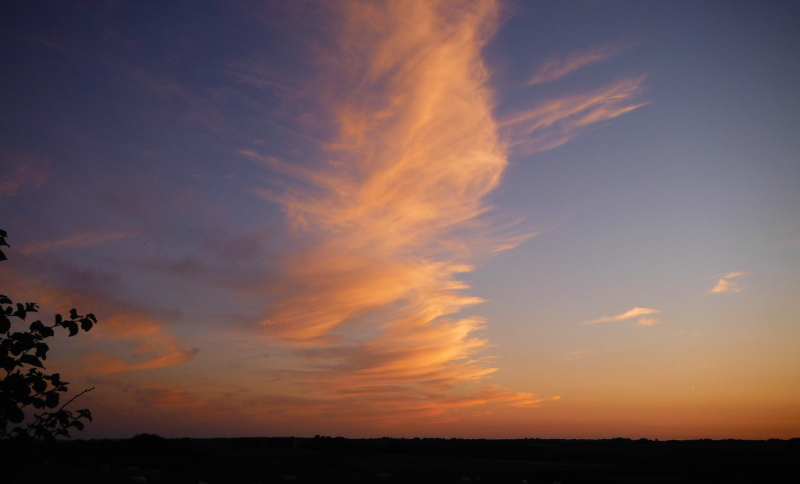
25	340
43	330
91	316
3	256
8	363
63	417
5	299
31	360
5	324
85	413
14	414
41	350
86	324
51	399
39	386
78	425
20	312
73	314
31	307
72	327
16	348
59	319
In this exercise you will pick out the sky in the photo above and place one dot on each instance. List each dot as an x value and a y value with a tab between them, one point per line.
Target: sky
440	218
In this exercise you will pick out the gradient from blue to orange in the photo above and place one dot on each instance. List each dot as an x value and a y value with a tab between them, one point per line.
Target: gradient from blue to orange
412	218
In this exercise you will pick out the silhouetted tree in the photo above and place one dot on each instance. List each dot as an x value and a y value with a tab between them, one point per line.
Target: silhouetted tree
24	386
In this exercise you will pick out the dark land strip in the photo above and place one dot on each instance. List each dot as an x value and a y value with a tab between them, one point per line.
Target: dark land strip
152	459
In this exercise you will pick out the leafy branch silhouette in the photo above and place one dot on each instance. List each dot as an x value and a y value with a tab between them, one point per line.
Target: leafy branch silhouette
24	386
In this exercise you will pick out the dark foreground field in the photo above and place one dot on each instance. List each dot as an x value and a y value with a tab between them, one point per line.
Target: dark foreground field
152	459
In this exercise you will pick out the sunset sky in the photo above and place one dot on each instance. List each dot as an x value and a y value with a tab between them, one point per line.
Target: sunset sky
411	218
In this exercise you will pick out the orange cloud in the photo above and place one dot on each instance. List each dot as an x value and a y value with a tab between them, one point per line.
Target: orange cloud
731	275
102	363
138	341
416	153
153	347
386	225
725	286
557	68
626	315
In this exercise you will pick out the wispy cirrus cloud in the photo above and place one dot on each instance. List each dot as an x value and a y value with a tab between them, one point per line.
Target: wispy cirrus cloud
385	225
393	208
559	67
725	285
147	345
633	313
558	121
127	337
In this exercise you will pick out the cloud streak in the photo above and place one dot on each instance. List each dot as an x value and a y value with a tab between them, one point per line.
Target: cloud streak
560	67
555	122
633	313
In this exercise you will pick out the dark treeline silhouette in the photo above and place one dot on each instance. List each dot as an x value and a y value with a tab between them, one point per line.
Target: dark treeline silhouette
150	458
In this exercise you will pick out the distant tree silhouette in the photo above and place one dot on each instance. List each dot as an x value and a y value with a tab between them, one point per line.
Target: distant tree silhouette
24	386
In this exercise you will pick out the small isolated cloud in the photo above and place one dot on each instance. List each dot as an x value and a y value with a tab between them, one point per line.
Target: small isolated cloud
724	285
558	68
626	315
